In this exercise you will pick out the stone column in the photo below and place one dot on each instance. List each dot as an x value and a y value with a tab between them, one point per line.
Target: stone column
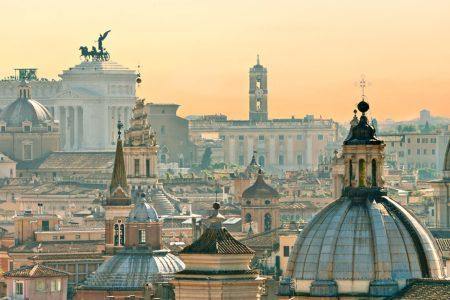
290	153
67	145
232	149
76	125
309	150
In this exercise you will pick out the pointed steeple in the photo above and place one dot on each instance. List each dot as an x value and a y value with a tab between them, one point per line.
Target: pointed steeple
119	191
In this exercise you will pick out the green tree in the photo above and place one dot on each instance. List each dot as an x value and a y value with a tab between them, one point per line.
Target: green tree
206	159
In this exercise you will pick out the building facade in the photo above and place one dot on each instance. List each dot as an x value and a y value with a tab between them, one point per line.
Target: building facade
281	144
172	132
88	101
415	150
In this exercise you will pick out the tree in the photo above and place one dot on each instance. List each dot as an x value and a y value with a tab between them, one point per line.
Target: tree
206	159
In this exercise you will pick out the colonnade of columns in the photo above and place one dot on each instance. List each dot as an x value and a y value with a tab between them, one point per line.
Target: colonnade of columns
72	124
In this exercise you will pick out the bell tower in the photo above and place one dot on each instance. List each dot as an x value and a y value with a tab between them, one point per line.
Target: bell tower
258	92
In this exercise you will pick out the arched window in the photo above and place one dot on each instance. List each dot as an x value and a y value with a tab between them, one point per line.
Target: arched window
362	173
119	233
374	172
267	222
248	218
163	158
142	236
261	161
350	172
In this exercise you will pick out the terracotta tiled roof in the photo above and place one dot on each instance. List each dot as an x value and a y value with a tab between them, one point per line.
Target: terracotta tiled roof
424	289
260	189
217	241
58	247
35	271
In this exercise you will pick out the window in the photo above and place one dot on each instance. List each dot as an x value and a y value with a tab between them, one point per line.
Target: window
27	152
401	154
18	288
424	151
418	141
281	137
62	237
55	237
77	236
248	218
267	222
299	159
299	137
281	160
418	151
409	140
45	225
320	137
261	138
392	144
3	129
433	140
409	151
433	151
262	161
147	167
286	251
56	285
26	128
241	137
424	140
136	167
40	285
49	128
141	236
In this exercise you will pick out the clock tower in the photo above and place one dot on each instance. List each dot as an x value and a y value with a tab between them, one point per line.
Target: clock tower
258	92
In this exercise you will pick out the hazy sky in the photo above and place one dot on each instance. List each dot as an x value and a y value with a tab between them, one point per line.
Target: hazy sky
197	53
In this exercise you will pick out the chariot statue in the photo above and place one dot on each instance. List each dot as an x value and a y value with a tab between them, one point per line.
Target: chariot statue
95	54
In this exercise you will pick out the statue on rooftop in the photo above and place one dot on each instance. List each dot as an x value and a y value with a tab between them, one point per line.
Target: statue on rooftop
95	54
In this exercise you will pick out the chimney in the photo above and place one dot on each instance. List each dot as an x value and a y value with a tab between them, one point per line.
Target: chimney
40	208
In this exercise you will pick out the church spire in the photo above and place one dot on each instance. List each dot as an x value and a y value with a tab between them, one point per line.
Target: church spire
119	186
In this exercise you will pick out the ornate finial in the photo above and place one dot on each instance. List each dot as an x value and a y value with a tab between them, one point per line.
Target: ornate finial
119	129
363	106
362	85
354	112
257	59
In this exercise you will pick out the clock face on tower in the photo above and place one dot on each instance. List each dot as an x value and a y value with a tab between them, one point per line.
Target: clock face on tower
259	93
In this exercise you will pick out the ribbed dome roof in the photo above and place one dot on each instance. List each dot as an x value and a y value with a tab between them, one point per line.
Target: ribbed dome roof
143	212
260	189
132	269
363	240
24	109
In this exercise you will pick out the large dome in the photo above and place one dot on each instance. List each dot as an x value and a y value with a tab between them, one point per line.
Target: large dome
25	109
361	246
132	269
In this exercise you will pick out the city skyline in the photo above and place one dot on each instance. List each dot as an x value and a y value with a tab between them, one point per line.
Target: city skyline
311	68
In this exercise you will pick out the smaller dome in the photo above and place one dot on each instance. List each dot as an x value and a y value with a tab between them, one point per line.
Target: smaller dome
260	189
143	212
25	109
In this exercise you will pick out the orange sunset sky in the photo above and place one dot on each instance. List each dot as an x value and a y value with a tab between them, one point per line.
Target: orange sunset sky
197	52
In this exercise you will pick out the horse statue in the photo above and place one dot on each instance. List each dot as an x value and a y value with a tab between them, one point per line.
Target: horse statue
85	52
